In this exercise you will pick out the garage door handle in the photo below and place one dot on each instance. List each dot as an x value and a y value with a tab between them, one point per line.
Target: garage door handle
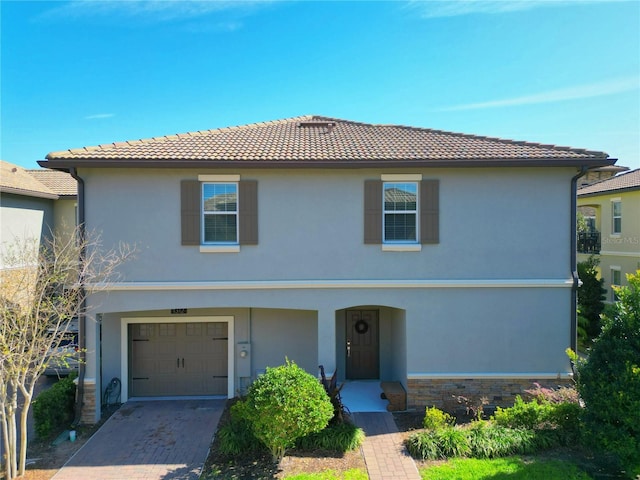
183	363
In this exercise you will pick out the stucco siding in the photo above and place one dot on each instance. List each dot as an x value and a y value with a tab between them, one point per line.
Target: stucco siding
497	224
24	219
621	251
491	331
280	334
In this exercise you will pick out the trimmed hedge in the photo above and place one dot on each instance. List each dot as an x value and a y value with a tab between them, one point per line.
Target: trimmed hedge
53	409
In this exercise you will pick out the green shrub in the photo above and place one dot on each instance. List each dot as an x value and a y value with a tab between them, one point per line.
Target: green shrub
435	419
490	440
282	405
445	442
609	380
554	424
480	439
452	442
53	409
528	415
423	445
236	437
339	437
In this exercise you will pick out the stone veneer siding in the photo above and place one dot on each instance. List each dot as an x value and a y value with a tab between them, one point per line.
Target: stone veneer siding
499	392
88	404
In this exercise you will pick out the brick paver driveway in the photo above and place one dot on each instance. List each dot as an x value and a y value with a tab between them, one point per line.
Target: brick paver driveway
167	439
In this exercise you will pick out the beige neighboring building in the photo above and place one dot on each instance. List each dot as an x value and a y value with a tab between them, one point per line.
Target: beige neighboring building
33	203
612	210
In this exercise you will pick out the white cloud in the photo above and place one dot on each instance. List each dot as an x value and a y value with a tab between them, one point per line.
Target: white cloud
454	8
98	116
609	87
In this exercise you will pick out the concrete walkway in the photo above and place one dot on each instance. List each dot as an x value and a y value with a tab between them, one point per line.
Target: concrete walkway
149	440
383	451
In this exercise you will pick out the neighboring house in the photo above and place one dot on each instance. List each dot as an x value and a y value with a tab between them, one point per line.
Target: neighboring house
599	174
34	203
32	206
612	210
382	252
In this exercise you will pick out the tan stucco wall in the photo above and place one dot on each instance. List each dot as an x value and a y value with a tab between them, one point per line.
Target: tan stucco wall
618	251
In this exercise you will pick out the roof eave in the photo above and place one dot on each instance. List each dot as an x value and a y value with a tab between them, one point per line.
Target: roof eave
64	164
613	191
29	193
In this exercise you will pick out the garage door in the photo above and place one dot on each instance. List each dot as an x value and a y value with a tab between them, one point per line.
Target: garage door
169	359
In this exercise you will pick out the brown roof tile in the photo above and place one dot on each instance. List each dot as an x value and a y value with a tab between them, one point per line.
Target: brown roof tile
623	181
16	180
315	140
59	182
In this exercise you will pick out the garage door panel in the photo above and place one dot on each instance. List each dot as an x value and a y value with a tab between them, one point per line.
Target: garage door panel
167	366
179	359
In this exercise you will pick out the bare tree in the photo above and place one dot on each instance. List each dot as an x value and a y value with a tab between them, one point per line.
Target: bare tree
41	290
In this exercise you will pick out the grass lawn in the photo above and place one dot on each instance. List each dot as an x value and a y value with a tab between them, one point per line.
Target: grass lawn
511	468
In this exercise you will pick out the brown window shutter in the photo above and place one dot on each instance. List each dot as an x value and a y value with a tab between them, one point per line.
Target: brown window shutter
429	211
190	211
248	212
373	212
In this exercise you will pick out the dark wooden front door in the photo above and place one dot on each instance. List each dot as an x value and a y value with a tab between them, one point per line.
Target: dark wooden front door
362	344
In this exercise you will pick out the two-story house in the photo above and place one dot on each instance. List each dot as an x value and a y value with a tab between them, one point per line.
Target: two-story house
611	208
382	252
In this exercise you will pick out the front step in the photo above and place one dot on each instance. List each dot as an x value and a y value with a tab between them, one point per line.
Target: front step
396	394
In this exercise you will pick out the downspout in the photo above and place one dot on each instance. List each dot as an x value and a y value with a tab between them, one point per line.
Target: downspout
573	261
82	341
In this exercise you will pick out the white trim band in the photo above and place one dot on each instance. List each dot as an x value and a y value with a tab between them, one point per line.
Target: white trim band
619	254
331	284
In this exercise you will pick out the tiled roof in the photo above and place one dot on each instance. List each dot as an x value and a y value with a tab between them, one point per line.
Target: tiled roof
624	181
16	180
316	140
59	182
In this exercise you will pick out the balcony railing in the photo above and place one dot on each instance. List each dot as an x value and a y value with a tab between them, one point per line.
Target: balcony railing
589	242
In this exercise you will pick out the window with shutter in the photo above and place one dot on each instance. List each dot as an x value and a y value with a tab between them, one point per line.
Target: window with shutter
401	212
219	212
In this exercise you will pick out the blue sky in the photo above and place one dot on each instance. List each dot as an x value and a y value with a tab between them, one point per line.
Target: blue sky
84	73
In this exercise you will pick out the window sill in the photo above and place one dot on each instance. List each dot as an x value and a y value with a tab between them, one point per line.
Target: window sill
400	247
219	248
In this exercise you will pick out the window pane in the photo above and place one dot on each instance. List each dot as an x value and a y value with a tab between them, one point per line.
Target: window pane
400	227
617	225
220	197
400	196
617	209
220	228
617	217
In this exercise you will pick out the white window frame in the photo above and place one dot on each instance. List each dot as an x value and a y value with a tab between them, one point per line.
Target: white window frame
219	180
613	270
614	202
401	179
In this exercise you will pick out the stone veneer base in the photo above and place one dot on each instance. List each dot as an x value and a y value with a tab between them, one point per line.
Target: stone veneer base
88	404
444	393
